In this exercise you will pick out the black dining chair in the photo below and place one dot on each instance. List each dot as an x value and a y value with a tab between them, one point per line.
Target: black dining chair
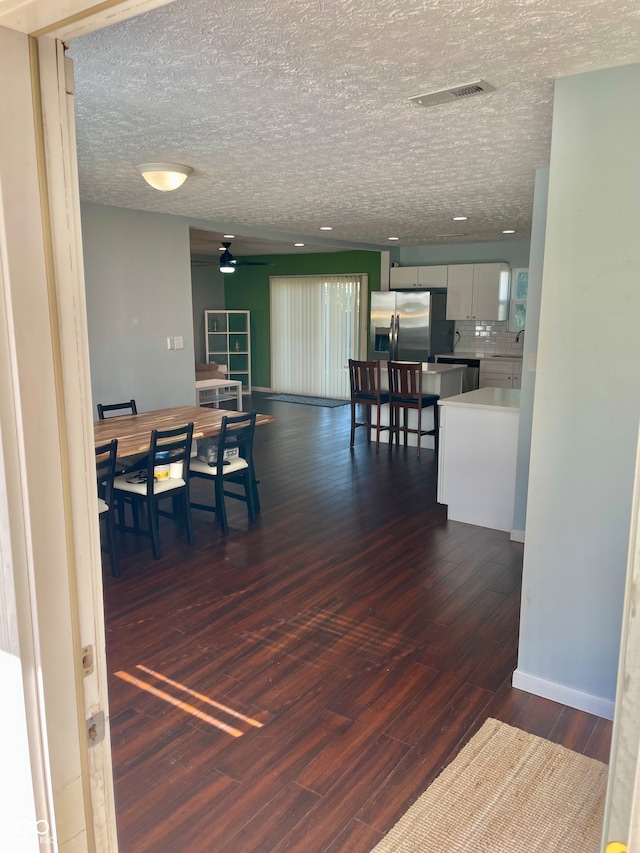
365	382
128	408
230	463
105	474
127	463
405	393
164	476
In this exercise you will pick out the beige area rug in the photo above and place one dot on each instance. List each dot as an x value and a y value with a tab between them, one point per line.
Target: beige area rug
506	792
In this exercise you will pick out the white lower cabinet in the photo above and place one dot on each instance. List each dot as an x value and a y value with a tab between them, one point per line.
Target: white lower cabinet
500	373
478	457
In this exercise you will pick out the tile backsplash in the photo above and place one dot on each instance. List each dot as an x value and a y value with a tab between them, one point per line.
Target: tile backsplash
490	336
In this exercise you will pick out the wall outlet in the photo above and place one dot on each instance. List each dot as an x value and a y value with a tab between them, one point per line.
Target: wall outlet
178	342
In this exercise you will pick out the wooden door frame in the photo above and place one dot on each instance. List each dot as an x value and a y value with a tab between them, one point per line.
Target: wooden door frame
46	262
622	809
51	573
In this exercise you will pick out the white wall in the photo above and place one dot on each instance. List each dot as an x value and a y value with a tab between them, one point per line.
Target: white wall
587	398
514	252
138	285
530	350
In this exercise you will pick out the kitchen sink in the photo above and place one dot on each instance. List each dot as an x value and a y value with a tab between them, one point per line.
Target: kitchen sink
510	357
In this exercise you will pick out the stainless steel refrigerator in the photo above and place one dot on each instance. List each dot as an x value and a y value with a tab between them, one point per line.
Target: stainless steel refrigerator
409	325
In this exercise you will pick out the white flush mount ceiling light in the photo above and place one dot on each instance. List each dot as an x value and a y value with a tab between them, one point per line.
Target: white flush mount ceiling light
459	218
164	176
298	244
509	231
229	236
326	228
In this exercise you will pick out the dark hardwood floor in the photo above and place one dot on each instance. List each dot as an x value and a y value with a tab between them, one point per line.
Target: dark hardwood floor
295	685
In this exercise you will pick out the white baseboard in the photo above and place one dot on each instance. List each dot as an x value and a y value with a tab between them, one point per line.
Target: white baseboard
517	536
564	695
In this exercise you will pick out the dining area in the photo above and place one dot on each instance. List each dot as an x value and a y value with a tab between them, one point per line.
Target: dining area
146	462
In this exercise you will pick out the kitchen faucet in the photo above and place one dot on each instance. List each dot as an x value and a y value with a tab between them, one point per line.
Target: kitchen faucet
521	332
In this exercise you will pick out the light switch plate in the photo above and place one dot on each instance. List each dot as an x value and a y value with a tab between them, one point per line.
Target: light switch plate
178	342
170	343
531	363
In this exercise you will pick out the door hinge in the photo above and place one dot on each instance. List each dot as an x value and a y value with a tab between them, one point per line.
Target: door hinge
69	79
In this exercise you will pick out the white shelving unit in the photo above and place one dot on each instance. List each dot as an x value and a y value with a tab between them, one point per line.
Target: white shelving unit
228	341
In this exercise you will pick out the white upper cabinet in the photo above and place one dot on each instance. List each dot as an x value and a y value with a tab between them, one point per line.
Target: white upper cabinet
460	292
404	278
478	292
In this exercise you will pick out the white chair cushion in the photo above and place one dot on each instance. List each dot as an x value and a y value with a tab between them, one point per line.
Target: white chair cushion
204	468
102	506
159	486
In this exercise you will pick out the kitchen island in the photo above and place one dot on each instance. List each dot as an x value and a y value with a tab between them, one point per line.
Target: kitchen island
445	380
477	456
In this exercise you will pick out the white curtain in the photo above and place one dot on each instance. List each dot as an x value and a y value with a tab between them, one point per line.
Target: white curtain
315	330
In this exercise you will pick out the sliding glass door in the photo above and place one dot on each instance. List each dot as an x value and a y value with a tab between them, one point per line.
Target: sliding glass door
316	328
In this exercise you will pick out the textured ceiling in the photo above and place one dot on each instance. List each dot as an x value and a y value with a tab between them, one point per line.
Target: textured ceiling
295	114
207	242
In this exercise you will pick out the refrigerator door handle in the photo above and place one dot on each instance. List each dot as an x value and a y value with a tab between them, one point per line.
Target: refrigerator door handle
392	337
396	337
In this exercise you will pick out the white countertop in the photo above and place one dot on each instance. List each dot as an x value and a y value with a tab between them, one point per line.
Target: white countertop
501	399
427	367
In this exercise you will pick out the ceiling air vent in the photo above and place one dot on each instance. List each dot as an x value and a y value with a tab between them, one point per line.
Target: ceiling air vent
456	93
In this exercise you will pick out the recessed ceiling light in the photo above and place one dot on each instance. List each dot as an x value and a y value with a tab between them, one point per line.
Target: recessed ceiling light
509	231
393	238
460	218
326	228
229	236
298	244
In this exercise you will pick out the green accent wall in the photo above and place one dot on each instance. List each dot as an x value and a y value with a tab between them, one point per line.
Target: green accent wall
248	289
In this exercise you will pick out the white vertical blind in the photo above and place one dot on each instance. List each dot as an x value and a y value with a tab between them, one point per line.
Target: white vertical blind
315	330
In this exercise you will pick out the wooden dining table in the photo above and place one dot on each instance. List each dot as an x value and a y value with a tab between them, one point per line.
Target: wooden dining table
134	431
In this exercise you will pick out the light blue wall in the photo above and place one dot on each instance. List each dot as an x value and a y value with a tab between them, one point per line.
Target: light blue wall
587	396
138	290
515	253
207	292
529	353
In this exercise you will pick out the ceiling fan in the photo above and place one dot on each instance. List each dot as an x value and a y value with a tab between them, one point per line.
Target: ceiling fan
228	262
